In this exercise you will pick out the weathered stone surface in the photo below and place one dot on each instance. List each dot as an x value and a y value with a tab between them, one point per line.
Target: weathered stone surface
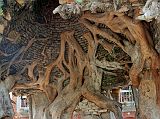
89	108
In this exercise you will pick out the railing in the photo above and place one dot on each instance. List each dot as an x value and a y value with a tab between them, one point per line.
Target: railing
126	99
22	107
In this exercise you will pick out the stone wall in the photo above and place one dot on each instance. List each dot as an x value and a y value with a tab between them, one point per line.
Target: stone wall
88	110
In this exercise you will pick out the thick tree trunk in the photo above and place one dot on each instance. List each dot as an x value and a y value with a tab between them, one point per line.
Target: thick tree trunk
149	101
136	99
30	107
39	103
64	105
6	109
106	115
149	108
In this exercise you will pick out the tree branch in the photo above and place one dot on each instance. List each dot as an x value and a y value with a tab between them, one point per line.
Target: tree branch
96	30
108	65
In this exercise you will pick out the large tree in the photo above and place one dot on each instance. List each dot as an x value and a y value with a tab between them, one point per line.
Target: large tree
58	60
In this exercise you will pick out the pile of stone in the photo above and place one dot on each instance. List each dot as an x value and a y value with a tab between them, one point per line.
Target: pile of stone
89	108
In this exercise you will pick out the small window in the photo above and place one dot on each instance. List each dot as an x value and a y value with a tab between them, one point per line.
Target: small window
24	102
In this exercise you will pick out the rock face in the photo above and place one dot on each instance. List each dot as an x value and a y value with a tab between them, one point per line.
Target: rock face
151	10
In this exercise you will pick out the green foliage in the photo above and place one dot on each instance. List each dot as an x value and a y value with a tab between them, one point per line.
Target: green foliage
79	1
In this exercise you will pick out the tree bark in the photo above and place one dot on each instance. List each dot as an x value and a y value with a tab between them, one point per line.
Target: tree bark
6	109
82	67
148	96
136	99
39	103
30	107
149	100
